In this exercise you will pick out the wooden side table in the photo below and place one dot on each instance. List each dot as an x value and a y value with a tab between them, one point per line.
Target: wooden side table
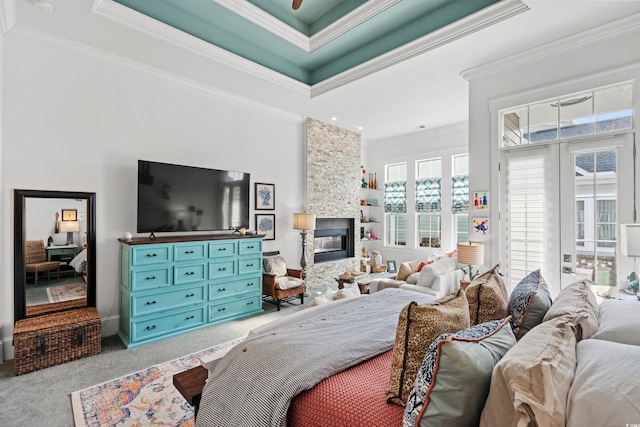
190	384
464	284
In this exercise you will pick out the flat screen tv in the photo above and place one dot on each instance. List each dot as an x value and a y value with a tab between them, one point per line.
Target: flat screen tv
176	198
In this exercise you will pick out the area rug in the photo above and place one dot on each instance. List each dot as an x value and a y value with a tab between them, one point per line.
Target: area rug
67	292
143	398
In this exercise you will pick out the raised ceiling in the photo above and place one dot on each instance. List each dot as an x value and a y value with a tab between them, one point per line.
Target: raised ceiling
320	40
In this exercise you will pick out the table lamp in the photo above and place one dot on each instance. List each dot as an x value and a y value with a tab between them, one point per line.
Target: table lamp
69	227
304	222
470	254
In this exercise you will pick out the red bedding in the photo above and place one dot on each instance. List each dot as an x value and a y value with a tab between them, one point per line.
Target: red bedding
354	397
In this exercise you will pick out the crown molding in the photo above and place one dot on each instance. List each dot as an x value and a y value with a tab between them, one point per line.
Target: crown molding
459	29
576	41
46	40
7	15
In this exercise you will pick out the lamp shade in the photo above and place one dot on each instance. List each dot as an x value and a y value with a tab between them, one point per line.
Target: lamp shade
471	253
304	221
69	226
630	239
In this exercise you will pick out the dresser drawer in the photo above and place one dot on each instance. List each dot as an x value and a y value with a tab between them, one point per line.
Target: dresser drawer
150	278
222	249
221	269
167	322
250	246
150	254
189	273
158	301
235	308
189	251
219	291
248	265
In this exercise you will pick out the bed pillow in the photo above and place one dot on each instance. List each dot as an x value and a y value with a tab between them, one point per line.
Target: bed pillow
530	384
438	268
529	302
274	264
406	268
453	382
418	326
350	290
579	303
619	322
606	379
488	298
324	298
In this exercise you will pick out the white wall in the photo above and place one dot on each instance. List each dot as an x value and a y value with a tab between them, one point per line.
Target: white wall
599	57
442	142
76	123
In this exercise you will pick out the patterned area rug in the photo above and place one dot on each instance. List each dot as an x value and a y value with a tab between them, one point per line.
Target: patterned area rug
143	398
67	292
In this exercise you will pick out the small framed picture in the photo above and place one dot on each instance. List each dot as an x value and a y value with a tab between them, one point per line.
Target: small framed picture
481	226
69	215
391	267
266	224
265	196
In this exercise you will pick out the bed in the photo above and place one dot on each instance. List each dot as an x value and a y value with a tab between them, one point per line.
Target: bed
79	263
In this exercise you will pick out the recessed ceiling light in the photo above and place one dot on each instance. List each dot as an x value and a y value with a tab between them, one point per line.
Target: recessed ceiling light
421	127
360	128
334	118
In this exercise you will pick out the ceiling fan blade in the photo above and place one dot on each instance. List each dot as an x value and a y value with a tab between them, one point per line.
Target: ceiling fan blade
296	4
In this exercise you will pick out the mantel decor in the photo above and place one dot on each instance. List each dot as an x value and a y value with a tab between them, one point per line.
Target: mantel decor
265	196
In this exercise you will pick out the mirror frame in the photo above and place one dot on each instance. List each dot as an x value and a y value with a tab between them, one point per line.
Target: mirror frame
19	238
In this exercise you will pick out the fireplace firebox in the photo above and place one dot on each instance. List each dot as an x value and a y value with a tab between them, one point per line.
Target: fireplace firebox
333	239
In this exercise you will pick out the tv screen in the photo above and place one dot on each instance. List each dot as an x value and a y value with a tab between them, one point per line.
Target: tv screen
173	198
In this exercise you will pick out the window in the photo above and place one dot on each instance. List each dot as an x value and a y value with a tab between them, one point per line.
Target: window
460	198
603	110
395	204
428	202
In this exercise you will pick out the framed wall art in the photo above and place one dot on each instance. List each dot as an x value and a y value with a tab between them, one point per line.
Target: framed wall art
69	215
266	224
265	196
481	226
480	200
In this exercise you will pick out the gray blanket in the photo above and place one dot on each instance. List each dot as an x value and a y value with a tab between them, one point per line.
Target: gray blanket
254	383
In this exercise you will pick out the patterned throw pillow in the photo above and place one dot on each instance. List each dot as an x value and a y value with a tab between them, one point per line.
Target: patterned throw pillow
418	326
529	302
488	298
453	382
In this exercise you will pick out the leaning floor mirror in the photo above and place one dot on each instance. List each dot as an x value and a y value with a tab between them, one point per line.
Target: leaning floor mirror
54	252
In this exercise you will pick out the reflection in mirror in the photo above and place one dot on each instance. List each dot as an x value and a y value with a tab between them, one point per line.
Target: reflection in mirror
54	265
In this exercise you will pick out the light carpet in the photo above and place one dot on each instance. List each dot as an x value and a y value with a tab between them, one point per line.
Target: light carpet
67	292
146	397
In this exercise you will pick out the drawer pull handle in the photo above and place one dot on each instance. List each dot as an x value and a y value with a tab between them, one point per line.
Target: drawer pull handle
190	317
250	284
150	328
222	249
249	303
150	303
250	247
190	295
222	309
222	289
42	344
151	278
249	265
222	268
151	255
189	273
188	252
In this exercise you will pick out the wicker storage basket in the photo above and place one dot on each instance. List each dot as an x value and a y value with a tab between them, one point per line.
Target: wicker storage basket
52	339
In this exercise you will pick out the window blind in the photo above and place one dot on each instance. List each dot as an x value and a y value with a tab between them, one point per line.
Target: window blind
395	197
428	195
460	194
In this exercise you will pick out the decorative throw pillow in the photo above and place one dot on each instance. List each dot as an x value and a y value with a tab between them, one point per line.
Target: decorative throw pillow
413	278
325	298
406	268
418	326
422	265
488	298
438	268
579	303
619	322
530	384
274	264
529	302
350	290
288	282
453	382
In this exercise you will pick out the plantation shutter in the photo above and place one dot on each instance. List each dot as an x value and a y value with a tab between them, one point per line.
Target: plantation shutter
395	197
428	195
460	194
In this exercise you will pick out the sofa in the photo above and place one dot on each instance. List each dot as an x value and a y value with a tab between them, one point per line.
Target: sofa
436	278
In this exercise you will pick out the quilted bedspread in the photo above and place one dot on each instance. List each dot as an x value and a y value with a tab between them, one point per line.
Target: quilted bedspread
254	383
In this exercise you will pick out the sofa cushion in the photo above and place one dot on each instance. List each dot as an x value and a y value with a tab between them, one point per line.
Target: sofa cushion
418	326
530	385
412	279
487	296
288	282
619	322
275	265
406	268
529	302
606	385
438	268
578	302
453	382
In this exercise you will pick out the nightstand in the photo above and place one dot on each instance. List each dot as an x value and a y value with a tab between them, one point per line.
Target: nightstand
64	254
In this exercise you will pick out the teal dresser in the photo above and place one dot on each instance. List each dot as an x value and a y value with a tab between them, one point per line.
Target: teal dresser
177	284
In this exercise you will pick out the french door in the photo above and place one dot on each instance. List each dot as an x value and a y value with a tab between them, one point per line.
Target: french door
561	206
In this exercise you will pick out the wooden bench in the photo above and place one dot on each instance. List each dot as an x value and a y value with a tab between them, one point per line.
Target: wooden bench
190	384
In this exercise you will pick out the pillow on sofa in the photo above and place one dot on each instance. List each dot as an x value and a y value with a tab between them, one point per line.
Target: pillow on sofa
418	326
619	322
487	296
606	385
412	279
406	268
274	264
438	268
453	382
530	384
529	302
422	265
579	303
